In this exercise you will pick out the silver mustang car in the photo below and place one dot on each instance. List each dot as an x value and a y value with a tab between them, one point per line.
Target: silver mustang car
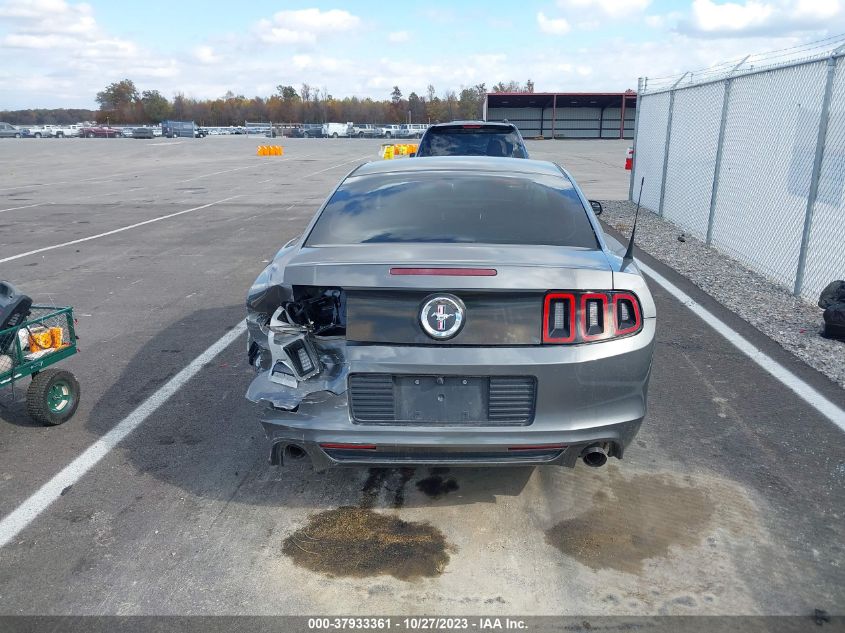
453	311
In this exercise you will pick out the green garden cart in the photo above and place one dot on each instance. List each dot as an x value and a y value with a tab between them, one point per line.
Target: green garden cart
34	339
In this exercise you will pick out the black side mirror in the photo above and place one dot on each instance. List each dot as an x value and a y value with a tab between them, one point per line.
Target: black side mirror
596	206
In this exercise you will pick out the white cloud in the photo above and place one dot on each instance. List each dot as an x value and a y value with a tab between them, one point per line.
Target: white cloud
206	55
730	16
762	17
609	8
398	37
304	26
552	26
61	44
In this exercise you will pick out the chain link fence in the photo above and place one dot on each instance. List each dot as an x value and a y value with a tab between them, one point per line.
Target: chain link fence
751	159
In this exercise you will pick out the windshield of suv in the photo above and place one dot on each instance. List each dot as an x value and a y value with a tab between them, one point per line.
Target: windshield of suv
485	208
471	141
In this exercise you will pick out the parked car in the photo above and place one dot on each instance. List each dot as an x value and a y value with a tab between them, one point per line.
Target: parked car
453	310
7	130
180	129
65	131
143	132
127	132
412	130
35	131
390	131
365	130
336	130
311	130
101	131
473	138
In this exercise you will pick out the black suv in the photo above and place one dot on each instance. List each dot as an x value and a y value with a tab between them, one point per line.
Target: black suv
473	138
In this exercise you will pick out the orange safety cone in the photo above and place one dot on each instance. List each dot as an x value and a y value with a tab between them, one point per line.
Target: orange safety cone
281	150
629	159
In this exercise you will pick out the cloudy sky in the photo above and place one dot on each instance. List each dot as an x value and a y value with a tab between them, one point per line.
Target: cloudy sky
59	53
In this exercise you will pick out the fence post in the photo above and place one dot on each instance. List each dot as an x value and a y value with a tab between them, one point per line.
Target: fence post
666	143
717	168
824	118
640	87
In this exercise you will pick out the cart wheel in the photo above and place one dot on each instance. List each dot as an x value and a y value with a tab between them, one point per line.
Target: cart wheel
52	397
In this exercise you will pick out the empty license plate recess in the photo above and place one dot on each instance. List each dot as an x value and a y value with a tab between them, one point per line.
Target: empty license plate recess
441	399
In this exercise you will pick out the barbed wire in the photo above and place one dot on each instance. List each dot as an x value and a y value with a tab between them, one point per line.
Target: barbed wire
756	62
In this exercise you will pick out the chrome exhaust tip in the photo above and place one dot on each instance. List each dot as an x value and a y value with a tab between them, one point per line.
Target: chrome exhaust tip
594	456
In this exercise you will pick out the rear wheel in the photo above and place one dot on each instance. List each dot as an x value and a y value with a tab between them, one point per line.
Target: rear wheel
17	135
334	135
52	397
37	135
89	135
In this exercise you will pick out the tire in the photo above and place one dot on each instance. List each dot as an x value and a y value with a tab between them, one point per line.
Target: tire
17	135
388	135
52	397
360	135
37	135
89	135
334	135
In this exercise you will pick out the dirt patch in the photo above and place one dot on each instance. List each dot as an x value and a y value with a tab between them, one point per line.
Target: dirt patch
633	520
358	542
436	486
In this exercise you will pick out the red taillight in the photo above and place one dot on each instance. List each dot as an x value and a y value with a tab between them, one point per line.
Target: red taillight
593	317
446	272
536	447
586	317
626	314
349	447
559	317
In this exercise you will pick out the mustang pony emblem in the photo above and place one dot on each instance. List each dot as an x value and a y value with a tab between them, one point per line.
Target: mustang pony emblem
442	316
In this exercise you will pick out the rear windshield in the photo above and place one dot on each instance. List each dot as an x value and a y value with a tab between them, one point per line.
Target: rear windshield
471	141
472	207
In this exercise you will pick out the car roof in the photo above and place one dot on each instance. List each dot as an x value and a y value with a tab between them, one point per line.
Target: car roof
474	123
459	163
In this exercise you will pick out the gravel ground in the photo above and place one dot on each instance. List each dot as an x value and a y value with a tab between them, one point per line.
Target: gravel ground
794	323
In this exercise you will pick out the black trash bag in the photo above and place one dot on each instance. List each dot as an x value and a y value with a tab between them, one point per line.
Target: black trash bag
14	308
834	321
833	293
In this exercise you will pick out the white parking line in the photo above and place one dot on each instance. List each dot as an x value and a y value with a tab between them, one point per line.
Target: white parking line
801	388
28	206
23	515
113	231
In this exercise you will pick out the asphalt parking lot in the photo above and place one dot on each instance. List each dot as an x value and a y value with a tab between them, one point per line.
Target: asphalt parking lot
730	501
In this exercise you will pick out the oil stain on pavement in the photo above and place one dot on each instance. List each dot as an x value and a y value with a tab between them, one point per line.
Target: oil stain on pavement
357	542
436	486
633	520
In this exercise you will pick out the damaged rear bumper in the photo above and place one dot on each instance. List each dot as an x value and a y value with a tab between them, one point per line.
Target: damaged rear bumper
585	395
417	447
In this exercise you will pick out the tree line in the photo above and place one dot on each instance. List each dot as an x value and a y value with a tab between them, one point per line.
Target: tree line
122	102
